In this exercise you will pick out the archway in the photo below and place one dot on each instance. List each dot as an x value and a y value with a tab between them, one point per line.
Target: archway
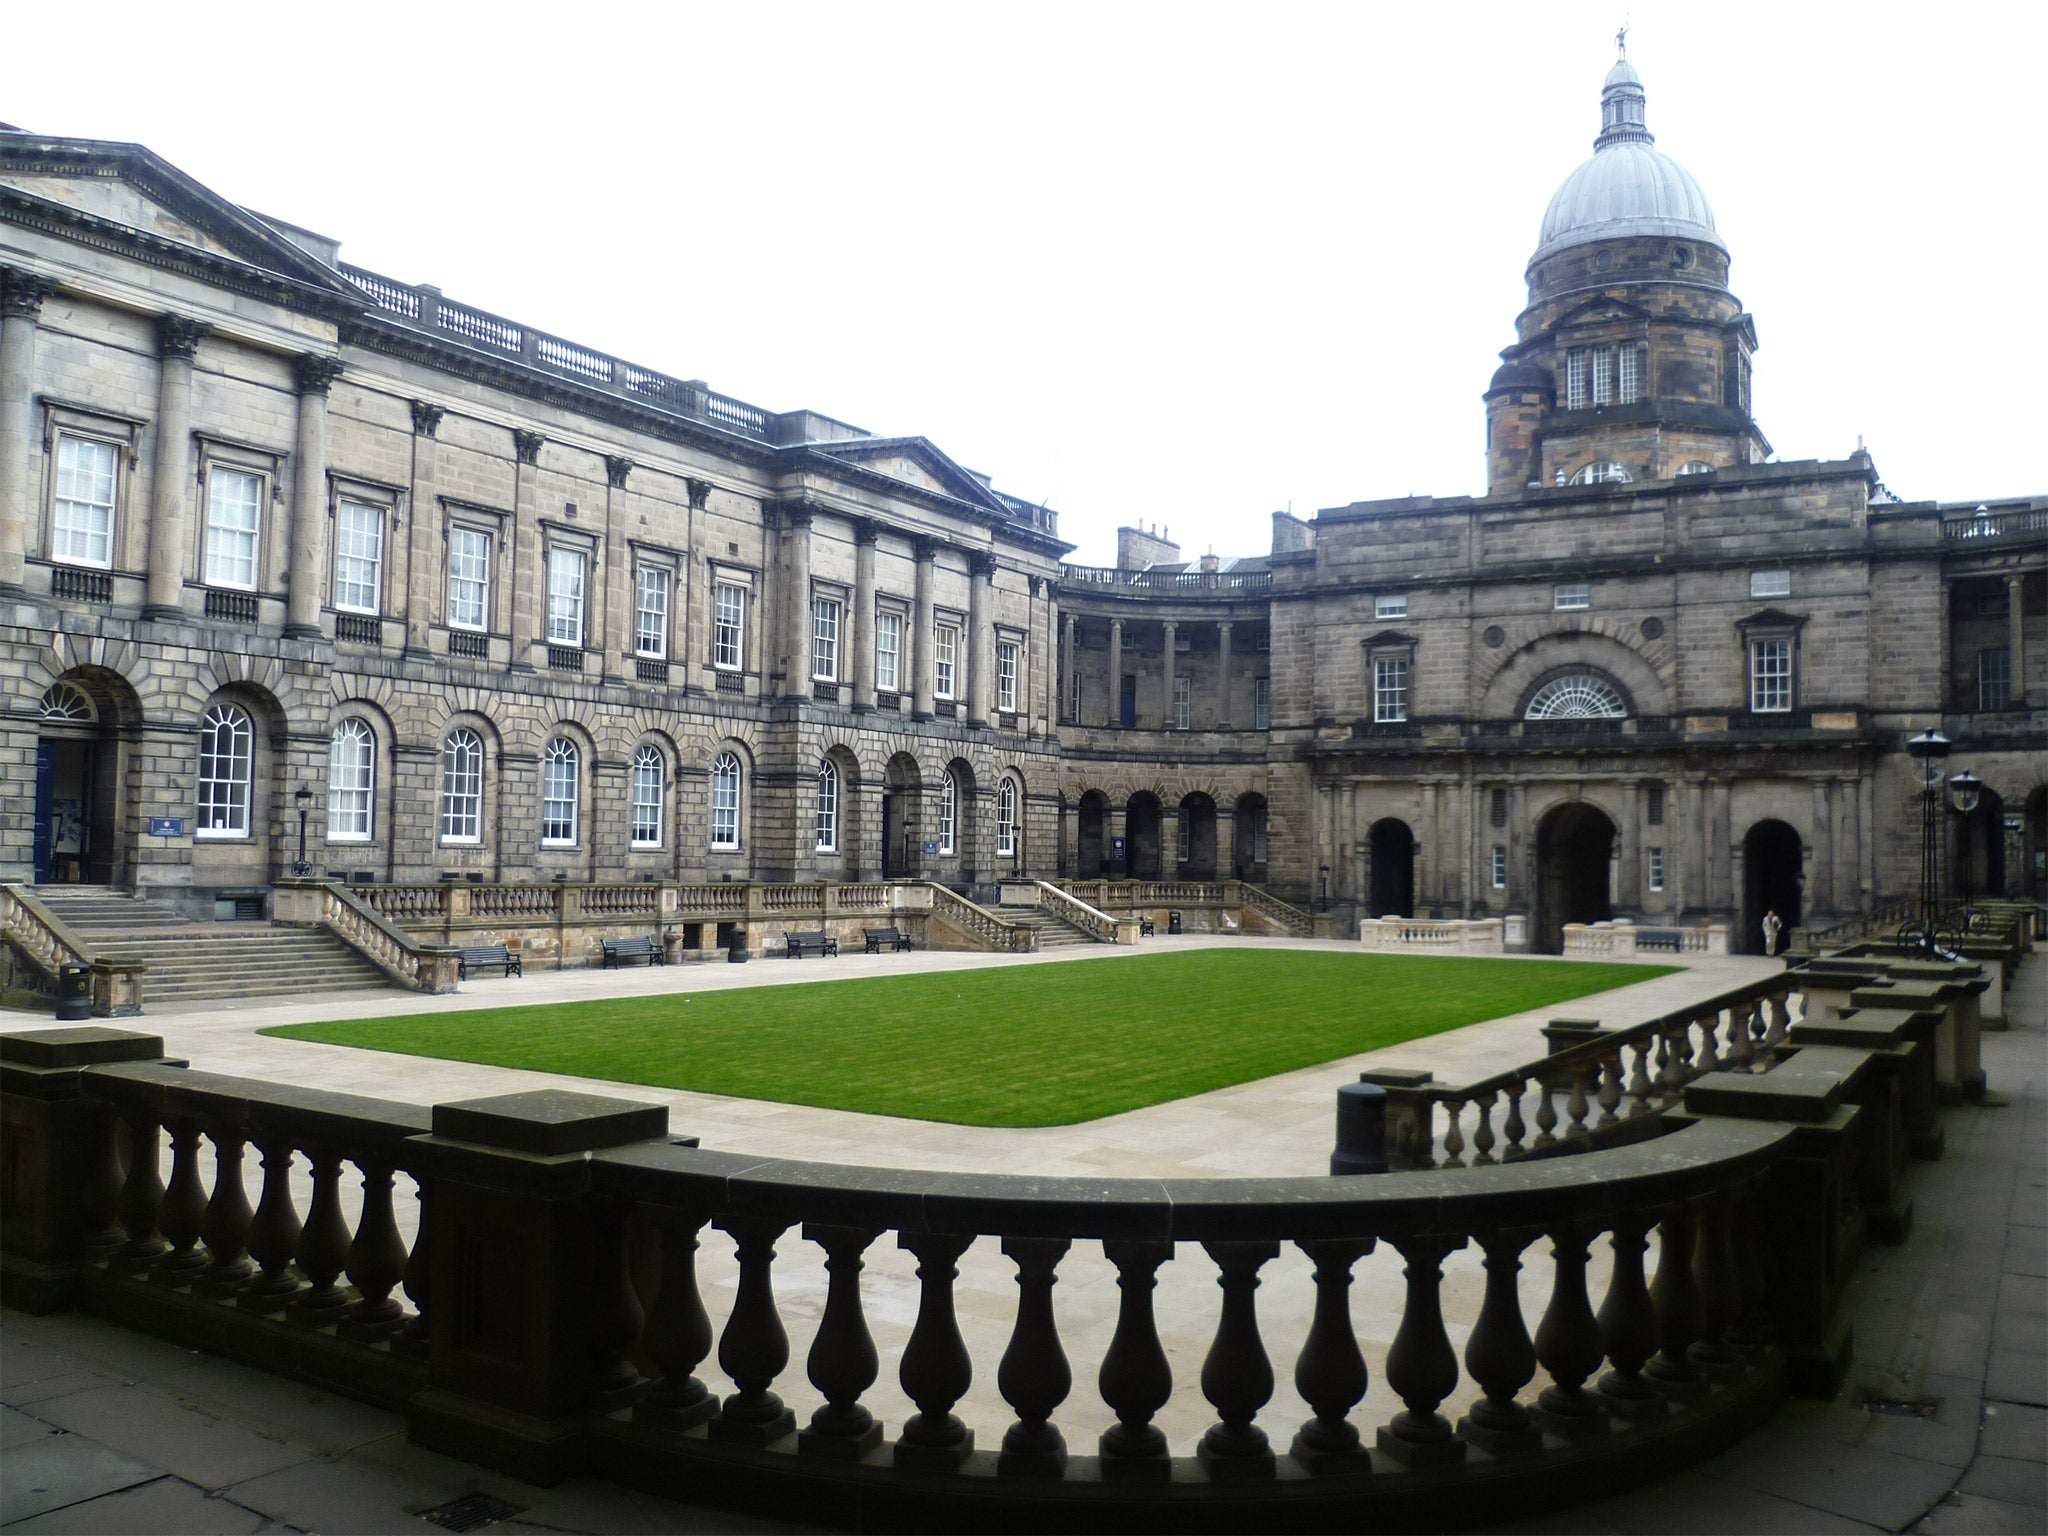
1771	876
1392	851
1979	865
1248	838
901	786
80	834
1091	852
1574	879
1196	855
1141	835
2033	879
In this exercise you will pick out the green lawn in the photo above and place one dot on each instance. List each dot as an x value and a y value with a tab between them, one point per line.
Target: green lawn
1007	1046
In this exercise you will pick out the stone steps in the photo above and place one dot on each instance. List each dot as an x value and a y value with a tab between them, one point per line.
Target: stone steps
1054	932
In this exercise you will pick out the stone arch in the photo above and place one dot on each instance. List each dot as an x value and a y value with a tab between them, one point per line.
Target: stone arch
1773	877
903	783
1576	841
1143	825
1552	654
1248	851
738	849
85	811
1091	845
1390	848
339	846
669	846
1195	816
843	859
1010	812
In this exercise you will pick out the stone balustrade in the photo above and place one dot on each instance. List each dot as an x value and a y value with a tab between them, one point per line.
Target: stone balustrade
1069	908
1205	903
40	941
1428	935
342	911
1621	939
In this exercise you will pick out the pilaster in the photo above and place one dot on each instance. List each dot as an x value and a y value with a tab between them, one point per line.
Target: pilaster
314	373
170	512
21	303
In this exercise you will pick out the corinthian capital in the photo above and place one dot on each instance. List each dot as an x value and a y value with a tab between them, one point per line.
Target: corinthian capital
315	371
22	293
176	336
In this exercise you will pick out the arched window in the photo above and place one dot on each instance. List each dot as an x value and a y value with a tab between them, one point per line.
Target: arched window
649	773
725	801
949	812
1695	467
462	788
68	701
1006	818
828	807
558	767
1601	472
1580	696
225	747
351	776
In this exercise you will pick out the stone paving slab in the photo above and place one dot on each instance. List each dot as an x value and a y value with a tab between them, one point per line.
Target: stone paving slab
165	1507
63	1470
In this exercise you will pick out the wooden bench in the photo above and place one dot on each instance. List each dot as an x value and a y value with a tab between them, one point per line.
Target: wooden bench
893	939
483	956
812	943
616	950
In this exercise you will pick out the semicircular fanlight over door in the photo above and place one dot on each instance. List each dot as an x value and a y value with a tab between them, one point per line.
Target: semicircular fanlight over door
1579	696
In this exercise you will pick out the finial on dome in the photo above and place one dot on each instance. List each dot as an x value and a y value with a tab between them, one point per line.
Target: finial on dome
1621	101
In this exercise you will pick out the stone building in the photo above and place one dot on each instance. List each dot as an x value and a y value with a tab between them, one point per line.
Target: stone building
281	538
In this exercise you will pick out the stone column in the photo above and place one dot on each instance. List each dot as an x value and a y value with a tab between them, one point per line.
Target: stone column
1112	829
610	631
1226	843
1116	673
1223	676
1068	671
1820	891
796	600
1630	896
1694	851
2016	635
863	626
1433	861
1847	852
693	591
1479	849
529	580
1169	842
1866	839
314	372
1521	853
420	564
21	301
170	513
1721	843
981	569
1347	870
925	552
1171	632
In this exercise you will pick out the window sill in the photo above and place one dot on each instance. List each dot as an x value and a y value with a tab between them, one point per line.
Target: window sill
462	842
205	836
645	847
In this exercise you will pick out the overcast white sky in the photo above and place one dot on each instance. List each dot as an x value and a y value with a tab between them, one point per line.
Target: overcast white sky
1178	264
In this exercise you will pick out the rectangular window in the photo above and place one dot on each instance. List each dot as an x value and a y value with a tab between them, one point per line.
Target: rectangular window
1656	869
1006	676
825	639
1770	583
1074	702
1631	374
469	578
945	648
1183	702
1655	808
728	627
1497	812
1577	369
358	556
82	521
1500	866
1572	594
1390	688
1262	703
1994	677
1603	377
233	500
1390	605
1183	839
1770	676
565	597
888	651
650	611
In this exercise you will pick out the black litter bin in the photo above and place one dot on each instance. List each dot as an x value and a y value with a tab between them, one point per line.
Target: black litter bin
1173	920
74	992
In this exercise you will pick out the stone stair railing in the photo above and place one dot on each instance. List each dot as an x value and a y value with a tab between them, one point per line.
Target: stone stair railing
1069	909
976	923
44	941
342	911
1289	918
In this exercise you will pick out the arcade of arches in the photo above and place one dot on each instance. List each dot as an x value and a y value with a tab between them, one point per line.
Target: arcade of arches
1147	839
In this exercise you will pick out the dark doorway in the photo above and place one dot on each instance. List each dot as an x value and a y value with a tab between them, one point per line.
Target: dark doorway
1248	839
1980	849
900	829
1574	880
1091	853
1127	703
1392	889
1771	876
1196	853
2033	879
1141	834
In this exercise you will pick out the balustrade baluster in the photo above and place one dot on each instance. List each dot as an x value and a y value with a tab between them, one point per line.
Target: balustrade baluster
1709	1059
1642	1090
842	1363
1514	1131
1454	1134
322	1250
1546	1112
1741	1047
1670	1077
416	1336
754	1348
100	1187
1577	1102
1422	1368
1482	1137
1330	1373
1499	1355
1628	1327
1237	1376
1568	1343
616	1316
225	1227
274	1234
1608	1069
1135	1379
376	1259
1679	1319
1778	1007
936	1369
1034	1376
1713	1274
142	1195
182	1213
1754	1291
678	1331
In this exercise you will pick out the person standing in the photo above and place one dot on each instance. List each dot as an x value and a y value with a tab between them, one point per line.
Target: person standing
1772	928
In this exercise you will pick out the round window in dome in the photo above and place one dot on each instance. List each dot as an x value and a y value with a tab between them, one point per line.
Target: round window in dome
1579	696
1603	261
1601	472
1681	256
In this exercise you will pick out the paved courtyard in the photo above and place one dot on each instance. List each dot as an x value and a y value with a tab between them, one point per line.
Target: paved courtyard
107	1430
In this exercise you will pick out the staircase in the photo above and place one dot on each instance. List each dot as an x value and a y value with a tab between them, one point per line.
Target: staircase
1054	932
196	962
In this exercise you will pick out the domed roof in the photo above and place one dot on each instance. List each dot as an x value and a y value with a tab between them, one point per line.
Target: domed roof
1516	374
1628	187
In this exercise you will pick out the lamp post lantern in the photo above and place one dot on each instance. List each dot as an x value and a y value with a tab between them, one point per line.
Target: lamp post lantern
1964	791
1930	750
303	798
1323	889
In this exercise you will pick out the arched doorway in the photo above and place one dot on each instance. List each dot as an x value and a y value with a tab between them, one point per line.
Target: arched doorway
1248	838
1979	865
901	847
1091	854
960	797
1197	834
1772	872
1391	892
1574	871
80	836
2034	848
1141	835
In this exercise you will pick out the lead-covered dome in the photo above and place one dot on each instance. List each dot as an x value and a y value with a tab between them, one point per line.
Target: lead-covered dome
1628	187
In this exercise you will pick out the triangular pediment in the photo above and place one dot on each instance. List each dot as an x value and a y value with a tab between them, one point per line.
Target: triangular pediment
127	186
1604	310
915	461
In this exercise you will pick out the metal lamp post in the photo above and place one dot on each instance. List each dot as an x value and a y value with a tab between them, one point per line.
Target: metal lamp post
1964	791
1323	890
303	797
1930	750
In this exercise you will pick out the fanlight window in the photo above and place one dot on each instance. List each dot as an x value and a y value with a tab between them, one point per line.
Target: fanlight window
1604	472
1579	697
68	701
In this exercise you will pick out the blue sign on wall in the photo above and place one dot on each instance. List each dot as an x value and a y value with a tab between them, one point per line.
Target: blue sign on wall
931	847
166	826
1116	849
